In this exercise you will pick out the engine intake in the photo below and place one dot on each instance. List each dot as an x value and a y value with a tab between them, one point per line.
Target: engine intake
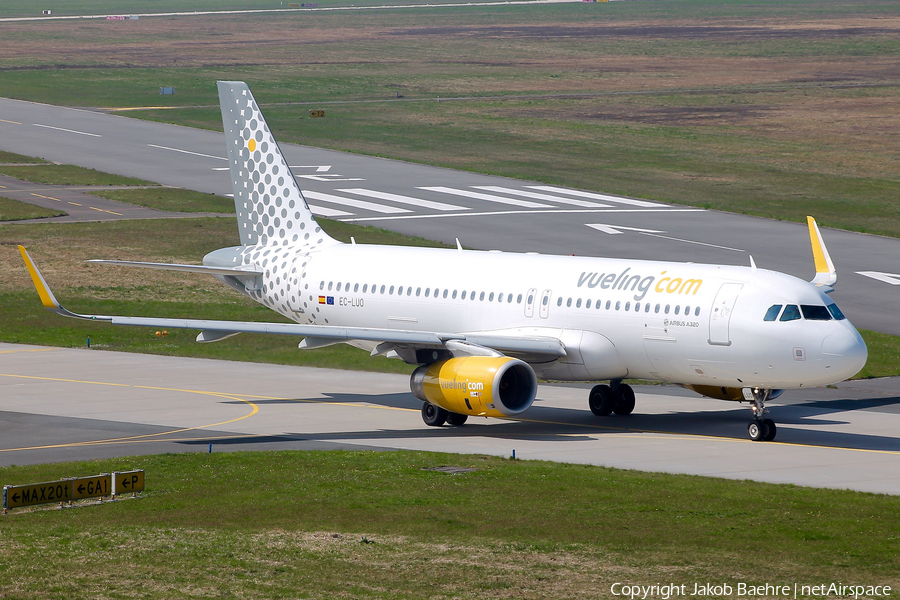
477	385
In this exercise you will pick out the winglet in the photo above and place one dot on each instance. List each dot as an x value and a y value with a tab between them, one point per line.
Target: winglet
47	298
43	290
826	276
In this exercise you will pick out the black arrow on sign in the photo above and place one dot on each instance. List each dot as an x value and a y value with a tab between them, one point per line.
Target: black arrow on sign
81	489
16	497
125	483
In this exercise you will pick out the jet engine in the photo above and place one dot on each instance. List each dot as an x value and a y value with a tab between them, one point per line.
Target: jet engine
484	386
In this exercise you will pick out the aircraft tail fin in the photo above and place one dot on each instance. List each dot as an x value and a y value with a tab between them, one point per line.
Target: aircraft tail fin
271	210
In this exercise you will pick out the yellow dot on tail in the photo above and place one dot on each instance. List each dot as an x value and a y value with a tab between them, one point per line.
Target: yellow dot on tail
252	145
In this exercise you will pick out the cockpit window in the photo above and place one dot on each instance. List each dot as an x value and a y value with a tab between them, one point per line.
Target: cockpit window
836	312
791	313
772	313
815	313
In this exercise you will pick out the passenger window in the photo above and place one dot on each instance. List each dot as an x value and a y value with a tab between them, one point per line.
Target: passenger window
365	287
656	310
588	303
454	294
545	300
500	297
628	306
568	303
791	313
618	305
436	292
647	307
578	303
445	293
391	290
491	297
608	304
322	285
530	298
338	286
464	295
519	299
697	312
815	313
559	301
355	287
481	296
637	307
667	309
836	312
329	285
409	291
677	308
509	298
772	313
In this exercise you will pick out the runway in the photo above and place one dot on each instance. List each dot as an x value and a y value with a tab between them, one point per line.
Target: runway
484	212
73	404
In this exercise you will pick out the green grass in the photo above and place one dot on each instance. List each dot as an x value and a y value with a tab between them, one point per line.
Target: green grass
884	355
68	175
172	200
364	524
14	210
12	157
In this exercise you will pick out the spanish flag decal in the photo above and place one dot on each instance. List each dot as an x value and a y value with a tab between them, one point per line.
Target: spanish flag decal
321	299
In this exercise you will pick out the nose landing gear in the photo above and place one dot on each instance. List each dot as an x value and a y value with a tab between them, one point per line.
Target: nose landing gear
760	428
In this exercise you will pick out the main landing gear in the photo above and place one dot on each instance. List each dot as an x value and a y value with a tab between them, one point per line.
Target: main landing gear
435	416
760	429
616	398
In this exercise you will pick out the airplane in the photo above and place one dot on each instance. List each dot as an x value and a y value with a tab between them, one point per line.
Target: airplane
482	326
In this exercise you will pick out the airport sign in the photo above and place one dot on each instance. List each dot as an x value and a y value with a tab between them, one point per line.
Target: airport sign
91	487
15	496
128	482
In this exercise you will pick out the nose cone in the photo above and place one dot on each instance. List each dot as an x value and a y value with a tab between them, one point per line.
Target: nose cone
845	353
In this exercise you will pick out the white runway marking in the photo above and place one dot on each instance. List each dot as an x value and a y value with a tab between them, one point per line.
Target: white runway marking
614	229
327	212
594	196
531	212
539	196
675	239
187	152
890	278
486	197
404	199
360	204
67	130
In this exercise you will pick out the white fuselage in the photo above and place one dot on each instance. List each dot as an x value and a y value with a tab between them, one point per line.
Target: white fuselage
681	322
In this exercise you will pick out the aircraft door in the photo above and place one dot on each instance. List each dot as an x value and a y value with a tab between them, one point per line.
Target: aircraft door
530	299
545	303
720	315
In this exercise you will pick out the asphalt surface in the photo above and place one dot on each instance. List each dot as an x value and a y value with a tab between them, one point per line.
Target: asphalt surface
443	204
69	404
79	205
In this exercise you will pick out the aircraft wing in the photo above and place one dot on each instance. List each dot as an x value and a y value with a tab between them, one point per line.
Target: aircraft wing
541	348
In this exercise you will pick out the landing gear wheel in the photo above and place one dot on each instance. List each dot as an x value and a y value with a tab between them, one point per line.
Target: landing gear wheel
756	430
434	416
626	400
456	419
771	430
602	400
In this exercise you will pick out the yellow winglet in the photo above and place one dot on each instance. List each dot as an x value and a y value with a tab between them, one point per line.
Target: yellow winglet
43	290
826	276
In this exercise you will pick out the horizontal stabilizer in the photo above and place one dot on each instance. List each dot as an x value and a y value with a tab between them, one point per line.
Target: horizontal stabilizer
222	271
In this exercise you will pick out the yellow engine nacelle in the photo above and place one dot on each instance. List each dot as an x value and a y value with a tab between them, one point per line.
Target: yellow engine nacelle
484	386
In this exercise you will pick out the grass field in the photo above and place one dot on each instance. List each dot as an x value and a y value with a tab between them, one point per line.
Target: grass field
13	210
67	175
171	200
767	108
364	524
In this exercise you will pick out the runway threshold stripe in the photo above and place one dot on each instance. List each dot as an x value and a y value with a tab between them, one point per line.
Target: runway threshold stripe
594	196
327	212
67	130
539	196
360	204
403	199
486	197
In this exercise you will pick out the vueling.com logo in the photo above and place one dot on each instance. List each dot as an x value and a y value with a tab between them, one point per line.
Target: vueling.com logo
642	285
